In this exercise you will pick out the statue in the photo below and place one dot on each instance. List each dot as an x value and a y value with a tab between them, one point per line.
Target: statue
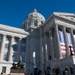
17	68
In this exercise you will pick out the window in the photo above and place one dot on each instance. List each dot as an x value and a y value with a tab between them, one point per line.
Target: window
34	54
23	57
3	69
15	47
23	47
23	41
5	57
34	57
35	22
15	57
0	38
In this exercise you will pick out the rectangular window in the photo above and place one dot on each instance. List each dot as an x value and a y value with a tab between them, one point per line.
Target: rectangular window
0	38
23	41
15	47
5	57
15	57
3	69
23	47
23	57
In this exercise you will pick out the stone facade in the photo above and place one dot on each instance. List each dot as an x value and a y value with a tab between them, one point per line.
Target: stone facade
10	46
40	43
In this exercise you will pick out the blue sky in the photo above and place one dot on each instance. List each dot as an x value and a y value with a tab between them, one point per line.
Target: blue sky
13	12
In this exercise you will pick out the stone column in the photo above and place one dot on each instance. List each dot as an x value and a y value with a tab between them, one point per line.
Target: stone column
66	42
19	49
45	50
41	50
11	48
28	53
58	42
3	46
51	44
72	36
32	65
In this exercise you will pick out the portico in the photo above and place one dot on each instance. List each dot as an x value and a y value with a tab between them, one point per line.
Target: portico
53	38
59	36
11	46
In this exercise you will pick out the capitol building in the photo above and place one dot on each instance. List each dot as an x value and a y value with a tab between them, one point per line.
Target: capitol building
39	43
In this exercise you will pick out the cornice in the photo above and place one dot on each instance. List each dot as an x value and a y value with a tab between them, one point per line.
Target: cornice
60	15
13	29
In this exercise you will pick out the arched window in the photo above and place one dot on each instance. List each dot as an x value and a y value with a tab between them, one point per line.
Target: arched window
34	54
34	58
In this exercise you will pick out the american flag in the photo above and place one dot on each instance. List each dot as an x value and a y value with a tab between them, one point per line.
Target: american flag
70	41
62	42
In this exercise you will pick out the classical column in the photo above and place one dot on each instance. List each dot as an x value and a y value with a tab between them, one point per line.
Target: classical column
45	50
11	48
51	44
58	42
32	65
72	36
66	42
3	46
41	50
27	53
19	49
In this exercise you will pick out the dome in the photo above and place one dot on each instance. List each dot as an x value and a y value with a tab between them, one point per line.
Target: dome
36	16
33	19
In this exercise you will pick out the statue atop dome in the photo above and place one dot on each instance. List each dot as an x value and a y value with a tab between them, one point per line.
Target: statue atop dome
34	10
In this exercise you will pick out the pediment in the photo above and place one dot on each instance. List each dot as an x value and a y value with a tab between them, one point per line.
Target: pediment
68	16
